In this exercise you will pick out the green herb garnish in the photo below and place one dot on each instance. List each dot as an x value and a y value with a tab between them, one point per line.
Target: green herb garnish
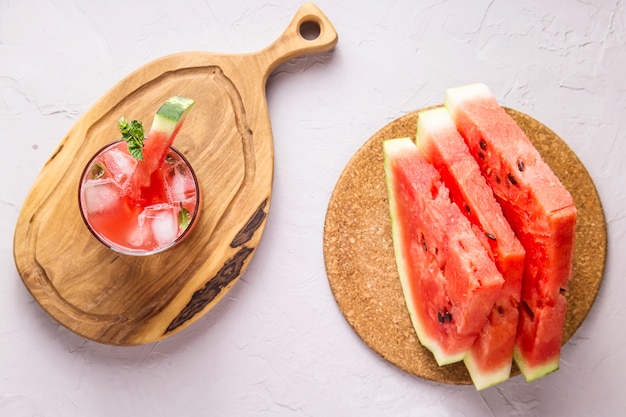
133	134
97	171
183	217
169	159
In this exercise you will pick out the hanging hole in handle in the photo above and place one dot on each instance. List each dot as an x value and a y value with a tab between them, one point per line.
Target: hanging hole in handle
310	30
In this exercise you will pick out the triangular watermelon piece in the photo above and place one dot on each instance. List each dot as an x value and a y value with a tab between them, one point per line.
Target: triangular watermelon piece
449	282
490	358
541	212
168	120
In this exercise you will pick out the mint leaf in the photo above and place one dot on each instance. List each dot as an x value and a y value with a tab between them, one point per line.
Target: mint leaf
133	133
97	171
136	150
183	217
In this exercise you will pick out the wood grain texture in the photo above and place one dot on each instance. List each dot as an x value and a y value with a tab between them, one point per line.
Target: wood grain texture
359	255
126	300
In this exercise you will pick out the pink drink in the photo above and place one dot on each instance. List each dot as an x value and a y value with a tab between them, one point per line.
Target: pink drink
138	220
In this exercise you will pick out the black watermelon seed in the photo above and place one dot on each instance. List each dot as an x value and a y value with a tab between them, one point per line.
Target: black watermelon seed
490	236
526	309
447	316
520	166
512	179
482	144
440	317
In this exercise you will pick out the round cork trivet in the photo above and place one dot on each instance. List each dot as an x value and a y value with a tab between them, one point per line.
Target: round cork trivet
360	263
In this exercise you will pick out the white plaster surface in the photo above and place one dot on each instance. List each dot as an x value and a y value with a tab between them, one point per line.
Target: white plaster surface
277	345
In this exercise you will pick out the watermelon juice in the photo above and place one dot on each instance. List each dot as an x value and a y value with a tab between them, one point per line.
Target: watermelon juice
136	220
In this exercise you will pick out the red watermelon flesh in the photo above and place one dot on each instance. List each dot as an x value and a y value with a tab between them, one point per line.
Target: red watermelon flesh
541	212
490	358
449	282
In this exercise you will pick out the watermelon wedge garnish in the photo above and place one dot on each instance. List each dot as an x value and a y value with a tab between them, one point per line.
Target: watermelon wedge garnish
490	358
449	282
167	122
541	213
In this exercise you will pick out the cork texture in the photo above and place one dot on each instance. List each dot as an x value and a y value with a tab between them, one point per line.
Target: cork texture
360	263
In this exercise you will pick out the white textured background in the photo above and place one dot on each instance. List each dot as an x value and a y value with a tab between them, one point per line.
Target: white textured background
277	345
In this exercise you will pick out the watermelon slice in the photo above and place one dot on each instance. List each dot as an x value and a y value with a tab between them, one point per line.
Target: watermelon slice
168	120
490	358
449	282
541	212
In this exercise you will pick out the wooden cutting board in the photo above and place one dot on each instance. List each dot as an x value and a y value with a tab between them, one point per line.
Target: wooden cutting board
360	263
125	300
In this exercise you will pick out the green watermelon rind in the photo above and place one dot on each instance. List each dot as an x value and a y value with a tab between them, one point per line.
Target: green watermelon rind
440	356
481	379
171	114
532	373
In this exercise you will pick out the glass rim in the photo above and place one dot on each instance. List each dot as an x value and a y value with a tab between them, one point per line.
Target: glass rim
139	252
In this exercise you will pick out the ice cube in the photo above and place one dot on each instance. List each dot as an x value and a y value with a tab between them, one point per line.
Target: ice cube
100	195
159	223
181	187
135	237
120	164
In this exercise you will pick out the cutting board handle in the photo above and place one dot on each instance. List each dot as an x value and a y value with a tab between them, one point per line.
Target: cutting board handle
310	32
